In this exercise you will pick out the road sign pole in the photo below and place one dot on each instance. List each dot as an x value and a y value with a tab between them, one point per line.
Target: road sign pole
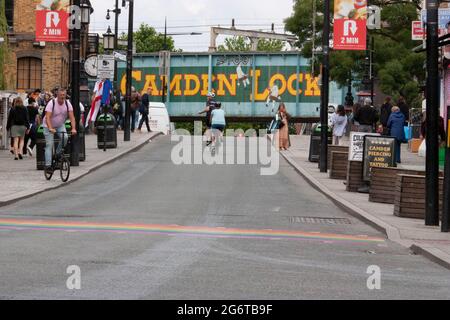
325	89
432	121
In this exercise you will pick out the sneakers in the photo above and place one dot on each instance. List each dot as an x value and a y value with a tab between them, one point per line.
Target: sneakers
20	157
30	151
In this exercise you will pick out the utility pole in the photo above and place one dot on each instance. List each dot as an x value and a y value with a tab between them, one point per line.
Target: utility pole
127	129
75	88
433	97
325	89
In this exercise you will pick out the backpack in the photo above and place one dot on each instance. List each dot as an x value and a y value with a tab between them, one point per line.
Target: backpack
53	108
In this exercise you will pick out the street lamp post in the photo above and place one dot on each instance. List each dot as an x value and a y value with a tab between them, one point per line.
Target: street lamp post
325	89
433	97
117	11
127	129
108	45
84	18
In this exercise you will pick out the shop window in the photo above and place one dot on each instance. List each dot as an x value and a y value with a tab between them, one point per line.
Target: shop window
29	73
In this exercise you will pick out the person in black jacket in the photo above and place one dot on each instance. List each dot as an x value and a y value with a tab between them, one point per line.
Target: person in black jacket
386	110
367	117
404	108
33	117
19	124
144	110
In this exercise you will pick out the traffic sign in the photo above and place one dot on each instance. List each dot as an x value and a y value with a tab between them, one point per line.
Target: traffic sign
418	31
350	25
51	26
350	34
105	67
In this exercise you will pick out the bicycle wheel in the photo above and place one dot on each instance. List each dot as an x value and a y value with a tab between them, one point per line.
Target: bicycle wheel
65	169
48	172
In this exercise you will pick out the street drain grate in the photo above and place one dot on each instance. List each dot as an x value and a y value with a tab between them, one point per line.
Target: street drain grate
324	221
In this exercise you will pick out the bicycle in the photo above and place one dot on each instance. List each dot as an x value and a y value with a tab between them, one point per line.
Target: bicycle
217	140
59	161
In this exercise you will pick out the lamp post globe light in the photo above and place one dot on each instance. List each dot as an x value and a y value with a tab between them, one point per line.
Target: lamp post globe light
109	40
85	13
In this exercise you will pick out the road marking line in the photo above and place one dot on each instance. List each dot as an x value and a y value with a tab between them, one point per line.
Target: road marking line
181	230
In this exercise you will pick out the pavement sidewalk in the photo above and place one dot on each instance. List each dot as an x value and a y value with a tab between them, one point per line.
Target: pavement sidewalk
21	180
411	233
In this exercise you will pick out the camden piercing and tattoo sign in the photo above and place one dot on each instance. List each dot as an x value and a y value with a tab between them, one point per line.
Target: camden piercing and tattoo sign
379	152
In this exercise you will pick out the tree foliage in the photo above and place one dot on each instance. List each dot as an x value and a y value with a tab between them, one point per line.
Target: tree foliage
148	40
241	44
398	70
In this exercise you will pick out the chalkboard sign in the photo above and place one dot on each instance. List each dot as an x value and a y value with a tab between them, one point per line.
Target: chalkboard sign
357	146
379	152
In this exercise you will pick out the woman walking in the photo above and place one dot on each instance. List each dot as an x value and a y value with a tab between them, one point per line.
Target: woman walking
396	125
283	131
339	122
33	117
19	125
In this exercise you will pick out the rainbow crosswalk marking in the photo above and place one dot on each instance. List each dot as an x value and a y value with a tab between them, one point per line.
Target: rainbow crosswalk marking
175	230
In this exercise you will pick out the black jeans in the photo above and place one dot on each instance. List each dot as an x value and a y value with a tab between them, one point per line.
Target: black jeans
133	120
30	137
145	119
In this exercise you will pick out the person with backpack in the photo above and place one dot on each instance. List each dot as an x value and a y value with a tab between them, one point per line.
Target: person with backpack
19	125
56	114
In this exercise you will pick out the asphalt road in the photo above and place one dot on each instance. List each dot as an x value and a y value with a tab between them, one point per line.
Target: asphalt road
144	228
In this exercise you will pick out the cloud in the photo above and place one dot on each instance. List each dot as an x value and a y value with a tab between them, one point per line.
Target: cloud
196	16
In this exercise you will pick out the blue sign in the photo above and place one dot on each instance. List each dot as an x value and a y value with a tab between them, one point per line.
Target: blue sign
444	17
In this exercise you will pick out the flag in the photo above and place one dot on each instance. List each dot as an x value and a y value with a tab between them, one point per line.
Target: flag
107	90
96	103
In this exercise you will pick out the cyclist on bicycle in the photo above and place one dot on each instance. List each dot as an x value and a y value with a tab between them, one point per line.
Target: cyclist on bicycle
210	106
56	113
218	122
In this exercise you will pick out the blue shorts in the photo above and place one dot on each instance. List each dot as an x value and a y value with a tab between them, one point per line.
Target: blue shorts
219	127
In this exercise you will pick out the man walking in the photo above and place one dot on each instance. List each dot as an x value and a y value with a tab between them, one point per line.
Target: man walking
367	117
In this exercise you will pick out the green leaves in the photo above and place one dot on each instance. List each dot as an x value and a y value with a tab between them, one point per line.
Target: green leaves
241	44
148	40
398	70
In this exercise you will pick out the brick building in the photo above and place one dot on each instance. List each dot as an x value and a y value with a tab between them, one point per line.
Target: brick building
30	64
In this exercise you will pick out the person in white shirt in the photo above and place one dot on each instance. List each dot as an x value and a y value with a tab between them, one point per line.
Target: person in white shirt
339	122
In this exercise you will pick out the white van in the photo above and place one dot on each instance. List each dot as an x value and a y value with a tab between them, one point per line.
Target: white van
159	118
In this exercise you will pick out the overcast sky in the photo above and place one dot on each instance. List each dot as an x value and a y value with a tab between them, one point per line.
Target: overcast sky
196	16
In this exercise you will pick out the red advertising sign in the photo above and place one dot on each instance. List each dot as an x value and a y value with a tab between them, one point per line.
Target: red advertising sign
52	26
350	25
418	31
